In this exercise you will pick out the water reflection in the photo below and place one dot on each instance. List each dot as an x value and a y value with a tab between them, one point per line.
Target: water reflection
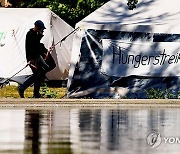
32	132
84	131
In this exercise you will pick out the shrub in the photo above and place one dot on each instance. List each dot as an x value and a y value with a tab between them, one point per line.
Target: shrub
160	94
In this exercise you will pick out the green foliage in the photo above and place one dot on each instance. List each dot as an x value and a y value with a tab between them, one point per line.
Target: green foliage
47	93
159	94
72	11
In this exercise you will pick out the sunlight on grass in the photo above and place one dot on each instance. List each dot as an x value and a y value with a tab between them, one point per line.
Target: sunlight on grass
10	91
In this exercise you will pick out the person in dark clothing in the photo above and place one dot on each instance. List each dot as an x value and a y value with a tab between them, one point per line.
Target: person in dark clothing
34	49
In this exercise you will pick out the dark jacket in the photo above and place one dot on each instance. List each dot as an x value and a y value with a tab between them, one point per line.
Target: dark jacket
33	46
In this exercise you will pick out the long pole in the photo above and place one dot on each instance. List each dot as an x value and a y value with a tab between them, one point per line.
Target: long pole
63	39
8	79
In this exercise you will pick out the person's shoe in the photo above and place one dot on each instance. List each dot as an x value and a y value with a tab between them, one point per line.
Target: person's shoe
21	92
37	96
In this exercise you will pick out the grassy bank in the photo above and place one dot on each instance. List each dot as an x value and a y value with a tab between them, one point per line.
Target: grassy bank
10	91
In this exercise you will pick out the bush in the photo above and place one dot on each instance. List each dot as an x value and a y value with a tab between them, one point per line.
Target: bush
47	93
160	94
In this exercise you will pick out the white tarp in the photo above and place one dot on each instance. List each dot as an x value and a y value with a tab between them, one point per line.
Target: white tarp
156	16
155	23
15	23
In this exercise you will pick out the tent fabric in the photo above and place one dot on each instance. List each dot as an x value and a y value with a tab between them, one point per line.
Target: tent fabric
150	15
15	23
154	23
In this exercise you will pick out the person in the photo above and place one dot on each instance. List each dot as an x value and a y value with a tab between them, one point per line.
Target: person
34	49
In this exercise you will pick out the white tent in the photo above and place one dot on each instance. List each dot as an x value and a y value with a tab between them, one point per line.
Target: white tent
15	23
150	32
150	15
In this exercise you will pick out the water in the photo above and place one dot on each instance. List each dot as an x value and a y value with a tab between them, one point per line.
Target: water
88	131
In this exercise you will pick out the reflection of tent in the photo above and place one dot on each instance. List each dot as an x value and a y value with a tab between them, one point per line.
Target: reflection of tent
15	22
154	24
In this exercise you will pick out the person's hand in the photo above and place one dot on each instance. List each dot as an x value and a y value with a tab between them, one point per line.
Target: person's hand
51	48
31	63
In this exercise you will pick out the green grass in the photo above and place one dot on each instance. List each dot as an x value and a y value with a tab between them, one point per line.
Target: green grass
10	91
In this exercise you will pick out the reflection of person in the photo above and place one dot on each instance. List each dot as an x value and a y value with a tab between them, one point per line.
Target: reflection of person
32	131
34	49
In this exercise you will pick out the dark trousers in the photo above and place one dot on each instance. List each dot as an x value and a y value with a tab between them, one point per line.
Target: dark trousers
37	78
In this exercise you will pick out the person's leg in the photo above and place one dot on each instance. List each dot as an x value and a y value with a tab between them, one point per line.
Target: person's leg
25	85
39	78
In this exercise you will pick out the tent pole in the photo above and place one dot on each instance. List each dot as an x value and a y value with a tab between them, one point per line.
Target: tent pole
63	39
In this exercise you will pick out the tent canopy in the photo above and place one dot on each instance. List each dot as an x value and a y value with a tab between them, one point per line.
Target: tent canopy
149	15
15	23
